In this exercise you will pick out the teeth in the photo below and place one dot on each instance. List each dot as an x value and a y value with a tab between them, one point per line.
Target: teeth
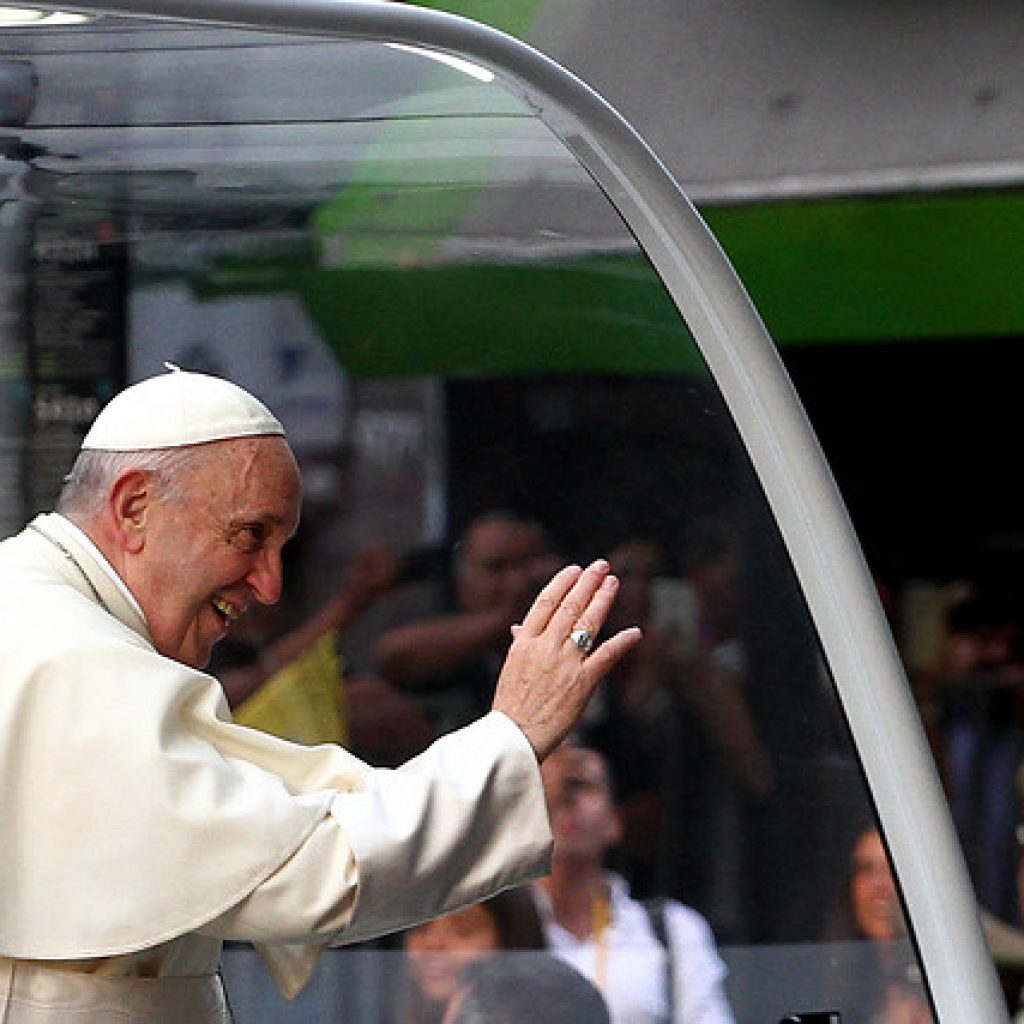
226	608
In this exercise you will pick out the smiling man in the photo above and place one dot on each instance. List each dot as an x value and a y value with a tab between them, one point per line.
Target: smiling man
139	827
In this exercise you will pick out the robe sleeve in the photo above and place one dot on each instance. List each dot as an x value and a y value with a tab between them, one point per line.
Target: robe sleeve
454	825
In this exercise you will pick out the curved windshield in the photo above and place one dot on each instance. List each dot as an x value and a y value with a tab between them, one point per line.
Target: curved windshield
482	378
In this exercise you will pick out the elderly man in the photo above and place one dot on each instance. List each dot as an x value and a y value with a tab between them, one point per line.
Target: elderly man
139	827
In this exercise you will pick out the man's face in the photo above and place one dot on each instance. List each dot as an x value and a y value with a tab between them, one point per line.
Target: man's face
213	550
584	821
500	566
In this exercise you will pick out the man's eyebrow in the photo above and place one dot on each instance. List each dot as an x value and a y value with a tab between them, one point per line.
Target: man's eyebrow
243	519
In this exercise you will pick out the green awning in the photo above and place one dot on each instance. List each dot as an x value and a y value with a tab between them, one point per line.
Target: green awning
884	269
864	270
597	314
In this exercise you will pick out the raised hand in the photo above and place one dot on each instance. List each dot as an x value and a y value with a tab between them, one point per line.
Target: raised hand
549	676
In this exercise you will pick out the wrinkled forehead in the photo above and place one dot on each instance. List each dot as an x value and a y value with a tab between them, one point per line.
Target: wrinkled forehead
253	477
266	454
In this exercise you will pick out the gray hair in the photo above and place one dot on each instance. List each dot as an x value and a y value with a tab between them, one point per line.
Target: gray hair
88	483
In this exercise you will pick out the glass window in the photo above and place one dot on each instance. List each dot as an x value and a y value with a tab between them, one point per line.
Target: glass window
482	376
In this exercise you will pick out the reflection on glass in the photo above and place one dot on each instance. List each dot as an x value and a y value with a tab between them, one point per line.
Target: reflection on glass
456	329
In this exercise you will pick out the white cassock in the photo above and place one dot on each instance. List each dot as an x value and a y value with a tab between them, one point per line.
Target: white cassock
139	826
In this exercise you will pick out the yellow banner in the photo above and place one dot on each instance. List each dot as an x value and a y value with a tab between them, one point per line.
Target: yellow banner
304	701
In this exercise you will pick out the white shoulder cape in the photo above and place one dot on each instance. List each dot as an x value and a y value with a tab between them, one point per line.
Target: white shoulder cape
132	810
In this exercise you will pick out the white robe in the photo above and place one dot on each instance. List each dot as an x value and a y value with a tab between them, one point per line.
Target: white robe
139	826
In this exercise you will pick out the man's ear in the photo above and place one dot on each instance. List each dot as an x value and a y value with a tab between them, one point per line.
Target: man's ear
130	501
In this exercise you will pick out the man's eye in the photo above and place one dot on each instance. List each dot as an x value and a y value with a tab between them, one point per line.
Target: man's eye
251	536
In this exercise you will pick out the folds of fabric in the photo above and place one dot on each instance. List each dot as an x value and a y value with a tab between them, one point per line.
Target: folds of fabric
134	812
31	994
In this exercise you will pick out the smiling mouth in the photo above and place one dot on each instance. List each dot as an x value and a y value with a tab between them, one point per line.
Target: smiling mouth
227	611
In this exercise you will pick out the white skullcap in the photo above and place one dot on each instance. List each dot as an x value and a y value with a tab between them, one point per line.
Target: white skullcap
177	409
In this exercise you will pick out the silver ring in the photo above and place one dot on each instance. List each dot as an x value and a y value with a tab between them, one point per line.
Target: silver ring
582	639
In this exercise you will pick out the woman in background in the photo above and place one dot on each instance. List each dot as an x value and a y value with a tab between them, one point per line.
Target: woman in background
884	985
438	949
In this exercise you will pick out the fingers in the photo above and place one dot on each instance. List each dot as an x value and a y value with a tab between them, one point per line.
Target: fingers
591	618
567	599
586	604
549	599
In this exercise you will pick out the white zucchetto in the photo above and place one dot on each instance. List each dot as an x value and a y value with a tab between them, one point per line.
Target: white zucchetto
177	409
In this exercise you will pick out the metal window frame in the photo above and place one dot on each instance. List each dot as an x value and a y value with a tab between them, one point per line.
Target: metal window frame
783	449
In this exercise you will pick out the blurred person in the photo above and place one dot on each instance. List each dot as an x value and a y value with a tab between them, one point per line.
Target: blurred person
525	988
713	656
981	699
385	726
717	766
140	826
629	718
640	679
1014	985
593	924
882	985
874	905
448	660
438	950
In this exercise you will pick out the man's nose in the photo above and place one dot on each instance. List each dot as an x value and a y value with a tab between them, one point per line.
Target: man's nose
266	577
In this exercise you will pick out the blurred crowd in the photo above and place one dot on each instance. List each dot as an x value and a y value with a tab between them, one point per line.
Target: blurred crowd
659	806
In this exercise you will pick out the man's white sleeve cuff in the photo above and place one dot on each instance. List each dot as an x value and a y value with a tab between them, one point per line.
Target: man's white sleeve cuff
460	822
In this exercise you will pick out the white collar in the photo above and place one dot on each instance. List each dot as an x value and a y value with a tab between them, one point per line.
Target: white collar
82	538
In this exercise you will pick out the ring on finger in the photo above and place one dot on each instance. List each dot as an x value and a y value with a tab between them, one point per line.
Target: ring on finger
582	639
